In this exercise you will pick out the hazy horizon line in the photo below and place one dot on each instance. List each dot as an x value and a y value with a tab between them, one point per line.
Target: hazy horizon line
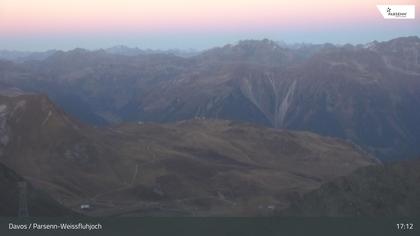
192	49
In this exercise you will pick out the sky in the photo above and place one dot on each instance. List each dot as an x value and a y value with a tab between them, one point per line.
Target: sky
37	25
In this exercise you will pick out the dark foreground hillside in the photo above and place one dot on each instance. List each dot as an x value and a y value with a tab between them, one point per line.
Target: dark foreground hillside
39	203
388	190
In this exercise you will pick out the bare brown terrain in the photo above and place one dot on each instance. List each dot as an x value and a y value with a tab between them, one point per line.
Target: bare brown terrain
193	167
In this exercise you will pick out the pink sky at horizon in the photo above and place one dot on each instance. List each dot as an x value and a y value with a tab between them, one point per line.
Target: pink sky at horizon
46	18
43	16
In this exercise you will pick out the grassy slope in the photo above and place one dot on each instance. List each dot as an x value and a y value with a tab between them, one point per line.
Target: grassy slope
206	167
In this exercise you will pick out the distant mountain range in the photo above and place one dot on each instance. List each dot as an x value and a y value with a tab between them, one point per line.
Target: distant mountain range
24	56
368	94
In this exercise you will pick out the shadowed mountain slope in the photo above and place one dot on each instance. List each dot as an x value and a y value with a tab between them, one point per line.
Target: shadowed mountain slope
39	203
388	190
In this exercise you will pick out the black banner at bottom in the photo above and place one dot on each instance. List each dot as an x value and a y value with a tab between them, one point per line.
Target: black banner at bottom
202	226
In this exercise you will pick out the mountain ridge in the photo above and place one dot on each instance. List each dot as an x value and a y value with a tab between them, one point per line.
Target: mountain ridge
363	93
